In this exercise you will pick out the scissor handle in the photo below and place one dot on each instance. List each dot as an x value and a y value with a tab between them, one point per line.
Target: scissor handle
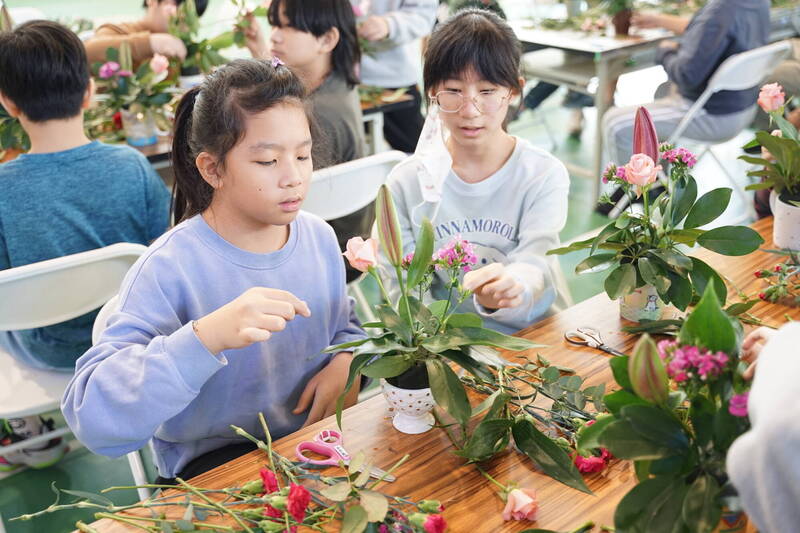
333	452
329	436
578	337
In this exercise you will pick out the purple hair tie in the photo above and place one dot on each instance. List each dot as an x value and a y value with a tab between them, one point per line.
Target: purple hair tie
276	62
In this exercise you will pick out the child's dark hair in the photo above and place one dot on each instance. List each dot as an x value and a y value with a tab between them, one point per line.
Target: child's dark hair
212	118
473	39
43	70
317	18
200	5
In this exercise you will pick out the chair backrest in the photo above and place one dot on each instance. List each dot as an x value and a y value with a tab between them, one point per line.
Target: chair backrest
737	73
343	189
102	317
52	291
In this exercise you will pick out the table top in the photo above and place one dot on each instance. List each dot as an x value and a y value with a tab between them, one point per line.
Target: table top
434	472
594	43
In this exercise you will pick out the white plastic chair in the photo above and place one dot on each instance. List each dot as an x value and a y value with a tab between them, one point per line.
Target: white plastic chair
46	293
343	189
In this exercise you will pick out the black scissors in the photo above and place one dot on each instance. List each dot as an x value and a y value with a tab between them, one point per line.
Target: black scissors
586	336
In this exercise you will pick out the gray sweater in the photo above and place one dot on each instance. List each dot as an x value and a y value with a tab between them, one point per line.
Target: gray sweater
337	111
396	61
718	30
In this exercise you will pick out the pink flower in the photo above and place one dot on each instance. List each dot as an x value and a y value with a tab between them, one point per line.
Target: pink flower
383	528
269	479
738	404
272	512
589	465
521	505
159	63
124	73
407	260
457	253
641	170
108	69
362	254
357	11
435	523
299	498
771	97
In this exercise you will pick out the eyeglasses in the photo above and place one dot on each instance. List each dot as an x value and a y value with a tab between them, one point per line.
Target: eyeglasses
487	101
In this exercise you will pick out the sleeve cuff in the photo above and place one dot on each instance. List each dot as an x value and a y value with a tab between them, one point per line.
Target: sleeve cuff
191	358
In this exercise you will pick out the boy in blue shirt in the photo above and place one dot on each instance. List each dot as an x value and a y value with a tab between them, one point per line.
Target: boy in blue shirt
67	195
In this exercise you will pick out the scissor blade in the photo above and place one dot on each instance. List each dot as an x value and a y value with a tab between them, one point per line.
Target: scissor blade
378	473
612	351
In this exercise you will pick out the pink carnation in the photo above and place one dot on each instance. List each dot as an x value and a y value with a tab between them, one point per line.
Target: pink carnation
435	523
771	97
738	404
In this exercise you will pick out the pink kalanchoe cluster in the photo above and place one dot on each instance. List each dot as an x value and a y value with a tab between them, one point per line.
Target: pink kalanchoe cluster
458	253
407	260
108	69
686	362
738	404
682	155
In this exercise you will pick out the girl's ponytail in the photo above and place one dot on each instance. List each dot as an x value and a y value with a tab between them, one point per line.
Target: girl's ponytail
191	194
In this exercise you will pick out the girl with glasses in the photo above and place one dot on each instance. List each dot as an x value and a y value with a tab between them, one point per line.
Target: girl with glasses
476	181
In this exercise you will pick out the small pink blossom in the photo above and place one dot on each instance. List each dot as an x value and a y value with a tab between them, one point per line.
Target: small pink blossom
159	64
641	170
357	11
435	523
361	254
458	253
771	97
521	505
738	404
124	73
108	69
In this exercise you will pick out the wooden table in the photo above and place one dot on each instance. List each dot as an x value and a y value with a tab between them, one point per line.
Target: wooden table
434	472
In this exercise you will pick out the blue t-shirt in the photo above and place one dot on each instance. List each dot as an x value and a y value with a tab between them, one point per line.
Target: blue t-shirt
62	203
150	377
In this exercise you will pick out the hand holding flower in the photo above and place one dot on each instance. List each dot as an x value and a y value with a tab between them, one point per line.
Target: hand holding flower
494	287
751	348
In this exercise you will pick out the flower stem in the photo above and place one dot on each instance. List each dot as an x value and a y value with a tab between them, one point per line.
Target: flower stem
209	501
374	273
485	474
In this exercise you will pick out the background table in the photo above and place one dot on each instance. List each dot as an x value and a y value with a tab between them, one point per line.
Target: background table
434	472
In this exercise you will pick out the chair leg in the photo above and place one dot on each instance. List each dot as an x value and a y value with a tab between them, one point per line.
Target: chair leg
139	474
548	130
362	302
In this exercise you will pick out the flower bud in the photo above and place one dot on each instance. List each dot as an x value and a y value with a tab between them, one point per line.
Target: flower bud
388	226
647	373
645	139
253	487
269	525
430	506
278	502
417	519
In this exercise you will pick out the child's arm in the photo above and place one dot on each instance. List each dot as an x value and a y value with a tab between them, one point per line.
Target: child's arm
414	19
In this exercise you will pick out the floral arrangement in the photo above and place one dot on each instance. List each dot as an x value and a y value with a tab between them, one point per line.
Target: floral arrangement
680	406
360	10
647	248
783	280
13	138
780	150
244	15
144	89
201	54
287	496
612	7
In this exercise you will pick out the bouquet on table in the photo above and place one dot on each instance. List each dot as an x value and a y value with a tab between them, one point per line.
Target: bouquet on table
644	251
680	406
202	55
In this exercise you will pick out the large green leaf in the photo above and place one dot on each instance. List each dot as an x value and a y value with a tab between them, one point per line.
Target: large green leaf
572	247
701	274
653	274
392	321
700	508
374	503
685	236
680	290
588	436
354	520
387	366
464	320
616	400
624	442
731	240
621	281
356	365
489	437
606	233
469	364
596	263
672	258
701	413
448	391
709	326
657	425
711	205
458	337
619	367
652	506
682	199
423	253
382	345
547	455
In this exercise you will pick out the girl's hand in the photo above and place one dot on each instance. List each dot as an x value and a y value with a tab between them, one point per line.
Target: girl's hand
250	318
751	348
494	287
325	387
254	39
167	45
375	28
645	19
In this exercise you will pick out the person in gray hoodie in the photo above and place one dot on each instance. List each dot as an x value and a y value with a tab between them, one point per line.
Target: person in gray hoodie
392	28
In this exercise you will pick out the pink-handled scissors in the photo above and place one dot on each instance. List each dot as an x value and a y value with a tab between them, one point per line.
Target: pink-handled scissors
330	445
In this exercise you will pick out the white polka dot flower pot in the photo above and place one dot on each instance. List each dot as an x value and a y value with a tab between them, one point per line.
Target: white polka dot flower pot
786	226
412	408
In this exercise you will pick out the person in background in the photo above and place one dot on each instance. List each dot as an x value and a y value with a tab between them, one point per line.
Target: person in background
229	313
146	36
392	28
497	191
68	194
717	31
762	463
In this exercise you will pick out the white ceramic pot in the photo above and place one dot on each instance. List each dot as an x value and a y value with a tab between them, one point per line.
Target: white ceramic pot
644	304
786	224
412	408
140	127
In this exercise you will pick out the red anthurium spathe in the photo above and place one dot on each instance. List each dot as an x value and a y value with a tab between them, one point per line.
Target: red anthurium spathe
388	226
645	139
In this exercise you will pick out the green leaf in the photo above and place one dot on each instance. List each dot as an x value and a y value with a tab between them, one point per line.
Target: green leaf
382	345
464	320
625	443
596	263
701	274
672	258
657	425
92	497
356	365
710	206
487	403
588	436
685	236
572	247
184	525
606	233
700	508
680	290
701	413
375	504
469	364
387	366
489	437
438	307
550	374
341	347
394	323
621	281
356	462
740	307
682	199
726	429
354	520
619	367
731	240
653	275
448	391
363	475
457	337
616	400
652	506
709	326
338	492
423	252
547	455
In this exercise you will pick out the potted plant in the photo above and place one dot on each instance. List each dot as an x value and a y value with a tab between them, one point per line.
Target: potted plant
413	344
138	96
13	139
621	12
202	55
680	406
645	250
779	168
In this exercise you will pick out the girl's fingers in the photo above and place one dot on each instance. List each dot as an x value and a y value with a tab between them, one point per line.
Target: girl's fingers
252	335
306	397
476	278
499	286
317	412
750	372
270	322
513	302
